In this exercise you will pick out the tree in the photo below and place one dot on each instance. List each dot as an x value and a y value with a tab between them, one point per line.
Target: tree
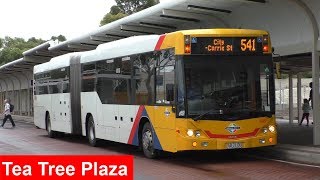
12	48
115	10
133	6
60	38
1	41
307	74
126	7
108	18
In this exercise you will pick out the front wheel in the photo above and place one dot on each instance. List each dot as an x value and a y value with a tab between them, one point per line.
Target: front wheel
147	142
91	133
50	132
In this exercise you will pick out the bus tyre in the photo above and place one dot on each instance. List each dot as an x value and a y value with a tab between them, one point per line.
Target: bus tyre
91	133
147	142
51	133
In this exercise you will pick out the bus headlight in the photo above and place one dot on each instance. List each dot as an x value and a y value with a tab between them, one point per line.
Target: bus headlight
272	128
190	132
265	130
197	134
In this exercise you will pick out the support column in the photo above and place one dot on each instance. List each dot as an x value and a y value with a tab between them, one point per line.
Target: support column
315	97
13	96
6	93
19	96
299	96
280	94
1	95
315	69
290	99
25	75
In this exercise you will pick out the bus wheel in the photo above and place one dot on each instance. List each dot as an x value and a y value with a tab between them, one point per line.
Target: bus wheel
147	142
91	133
51	133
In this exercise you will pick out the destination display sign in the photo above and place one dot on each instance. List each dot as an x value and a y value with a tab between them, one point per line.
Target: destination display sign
227	45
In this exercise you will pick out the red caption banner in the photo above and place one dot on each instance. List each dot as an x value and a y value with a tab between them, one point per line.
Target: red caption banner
66	167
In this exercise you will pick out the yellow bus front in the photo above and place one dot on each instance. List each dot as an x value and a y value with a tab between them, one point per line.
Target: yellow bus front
223	92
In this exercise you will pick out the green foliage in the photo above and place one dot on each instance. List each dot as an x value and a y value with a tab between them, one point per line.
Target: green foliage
12	48
132	6
284	76
60	38
306	74
115	10
108	18
1	43
126	7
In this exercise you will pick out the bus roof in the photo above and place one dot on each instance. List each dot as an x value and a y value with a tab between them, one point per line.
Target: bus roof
135	45
123	47
223	32
55	63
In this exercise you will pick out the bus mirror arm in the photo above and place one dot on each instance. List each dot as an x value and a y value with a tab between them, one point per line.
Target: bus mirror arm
170	96
169	92
173	109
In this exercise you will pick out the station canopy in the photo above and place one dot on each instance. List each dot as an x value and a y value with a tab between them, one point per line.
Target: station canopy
289	26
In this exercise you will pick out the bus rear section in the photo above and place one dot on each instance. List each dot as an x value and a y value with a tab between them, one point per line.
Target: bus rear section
54	82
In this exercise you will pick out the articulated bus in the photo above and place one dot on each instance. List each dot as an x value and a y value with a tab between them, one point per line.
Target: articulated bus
206	89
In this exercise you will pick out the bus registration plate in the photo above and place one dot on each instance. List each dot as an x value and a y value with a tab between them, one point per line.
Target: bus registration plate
234	145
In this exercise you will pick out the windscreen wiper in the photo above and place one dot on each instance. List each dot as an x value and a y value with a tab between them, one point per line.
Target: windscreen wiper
220	111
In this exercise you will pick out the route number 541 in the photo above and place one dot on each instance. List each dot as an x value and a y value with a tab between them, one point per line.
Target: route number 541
248	45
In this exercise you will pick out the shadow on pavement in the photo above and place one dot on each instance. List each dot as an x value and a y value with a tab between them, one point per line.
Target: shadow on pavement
186	158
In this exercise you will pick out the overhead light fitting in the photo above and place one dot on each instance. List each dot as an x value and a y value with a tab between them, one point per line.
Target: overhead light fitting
158	26
65	50
208	9
88	44
116	36
135	29
258	1
100	39
180	18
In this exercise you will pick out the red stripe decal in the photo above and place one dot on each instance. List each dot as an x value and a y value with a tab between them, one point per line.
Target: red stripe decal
160	41
229	136
135	124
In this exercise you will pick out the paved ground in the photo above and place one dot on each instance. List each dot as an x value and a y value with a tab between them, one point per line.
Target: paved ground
295	134
26	139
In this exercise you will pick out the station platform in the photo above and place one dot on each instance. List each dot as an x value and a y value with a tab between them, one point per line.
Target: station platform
295	143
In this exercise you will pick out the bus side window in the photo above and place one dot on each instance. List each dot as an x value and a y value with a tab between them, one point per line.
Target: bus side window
143	80
88	77
165	74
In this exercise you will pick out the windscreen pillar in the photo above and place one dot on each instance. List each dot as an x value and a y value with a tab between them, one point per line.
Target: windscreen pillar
299	96
290	99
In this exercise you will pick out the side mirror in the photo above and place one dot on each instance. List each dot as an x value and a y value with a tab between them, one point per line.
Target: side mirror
169	92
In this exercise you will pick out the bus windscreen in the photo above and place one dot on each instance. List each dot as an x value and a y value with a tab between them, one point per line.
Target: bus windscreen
230	88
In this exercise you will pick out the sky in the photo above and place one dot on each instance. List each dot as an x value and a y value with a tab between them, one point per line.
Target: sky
46	18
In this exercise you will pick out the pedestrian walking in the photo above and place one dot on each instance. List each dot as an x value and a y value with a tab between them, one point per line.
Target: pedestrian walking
306	111
310	94
8	108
